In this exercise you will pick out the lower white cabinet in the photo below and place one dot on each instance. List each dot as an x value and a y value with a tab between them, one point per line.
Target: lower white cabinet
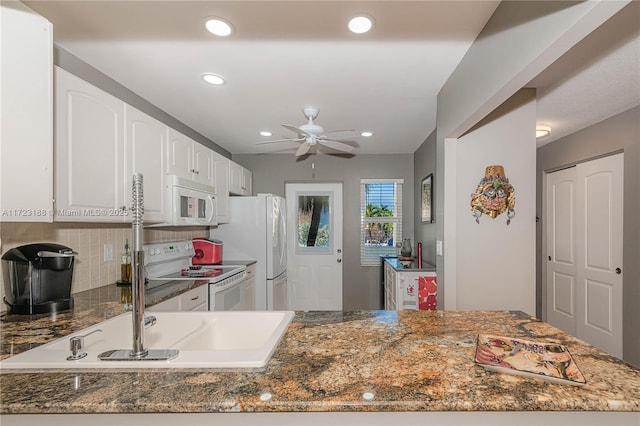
192	300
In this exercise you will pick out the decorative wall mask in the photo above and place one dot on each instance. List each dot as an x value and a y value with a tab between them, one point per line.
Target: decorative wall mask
493	195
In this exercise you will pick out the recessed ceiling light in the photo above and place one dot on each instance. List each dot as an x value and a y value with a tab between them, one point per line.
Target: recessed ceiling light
219	27
542	130
366	134
215	79
360	24
265	133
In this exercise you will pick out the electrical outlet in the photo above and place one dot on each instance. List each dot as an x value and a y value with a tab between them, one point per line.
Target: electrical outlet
108	252
439	248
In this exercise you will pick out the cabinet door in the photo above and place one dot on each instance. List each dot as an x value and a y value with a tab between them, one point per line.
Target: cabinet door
202	164
145	152
179	154
235	178
221	183
246	181
26	146
169	305
89	152
194	300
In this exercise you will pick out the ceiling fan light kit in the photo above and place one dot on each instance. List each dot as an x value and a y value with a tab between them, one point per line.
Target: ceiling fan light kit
312	134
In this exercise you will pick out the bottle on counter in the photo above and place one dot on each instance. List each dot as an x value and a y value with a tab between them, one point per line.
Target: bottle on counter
125	264
125	277
419	255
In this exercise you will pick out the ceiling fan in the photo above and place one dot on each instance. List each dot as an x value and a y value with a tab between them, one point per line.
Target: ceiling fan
311	134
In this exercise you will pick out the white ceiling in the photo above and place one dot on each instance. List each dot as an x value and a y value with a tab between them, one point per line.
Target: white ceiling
284	55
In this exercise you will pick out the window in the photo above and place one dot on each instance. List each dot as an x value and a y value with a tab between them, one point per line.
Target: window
381	219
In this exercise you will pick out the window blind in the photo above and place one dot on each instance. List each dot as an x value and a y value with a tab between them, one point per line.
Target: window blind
380	218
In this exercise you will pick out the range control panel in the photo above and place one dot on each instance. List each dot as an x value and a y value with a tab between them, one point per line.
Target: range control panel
166	252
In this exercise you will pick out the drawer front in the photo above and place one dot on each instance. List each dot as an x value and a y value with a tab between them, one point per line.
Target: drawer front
193	298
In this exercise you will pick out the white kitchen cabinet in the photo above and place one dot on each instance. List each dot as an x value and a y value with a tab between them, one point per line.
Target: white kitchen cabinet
189	159
250	284
145	152
221	176
239	179
26	141
192	300
413	289
89	152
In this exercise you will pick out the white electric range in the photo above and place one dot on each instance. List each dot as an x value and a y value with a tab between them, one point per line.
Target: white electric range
171	261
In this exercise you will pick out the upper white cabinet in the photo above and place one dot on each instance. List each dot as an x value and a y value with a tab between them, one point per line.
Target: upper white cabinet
189	159
89	154
145	152
221	175
26	141
239	179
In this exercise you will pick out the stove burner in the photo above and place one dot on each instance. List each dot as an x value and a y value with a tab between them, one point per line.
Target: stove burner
200	272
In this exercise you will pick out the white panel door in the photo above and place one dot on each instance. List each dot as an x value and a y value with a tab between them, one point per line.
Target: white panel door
314	238
561	256
584	251
599	257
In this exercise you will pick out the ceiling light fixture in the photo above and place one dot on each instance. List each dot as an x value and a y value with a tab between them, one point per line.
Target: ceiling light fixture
366	134
542	130
214	79
265	133
218	26
360	24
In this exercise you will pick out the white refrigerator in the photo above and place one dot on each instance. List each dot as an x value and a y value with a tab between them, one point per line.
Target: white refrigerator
257	231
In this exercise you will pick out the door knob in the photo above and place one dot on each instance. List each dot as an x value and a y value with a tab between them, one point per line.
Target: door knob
618	271
339	251
549	257
339	260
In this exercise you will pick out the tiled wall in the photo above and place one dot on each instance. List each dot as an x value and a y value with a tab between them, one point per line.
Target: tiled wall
90	269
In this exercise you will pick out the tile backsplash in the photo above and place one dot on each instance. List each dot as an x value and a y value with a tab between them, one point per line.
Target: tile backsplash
90	270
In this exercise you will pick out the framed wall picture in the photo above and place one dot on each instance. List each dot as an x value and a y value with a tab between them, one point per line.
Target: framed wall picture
427	199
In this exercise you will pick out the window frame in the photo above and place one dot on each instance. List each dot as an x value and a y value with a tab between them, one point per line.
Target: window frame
367	258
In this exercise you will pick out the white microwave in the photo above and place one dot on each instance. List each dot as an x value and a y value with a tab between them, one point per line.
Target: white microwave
188	203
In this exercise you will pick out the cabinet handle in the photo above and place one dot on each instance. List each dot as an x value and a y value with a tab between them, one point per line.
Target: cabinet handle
618	271
193	170
195	298
197	172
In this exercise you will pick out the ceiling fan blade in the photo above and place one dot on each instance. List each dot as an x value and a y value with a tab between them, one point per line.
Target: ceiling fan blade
295	129
280	140
351	131
337	145
304	148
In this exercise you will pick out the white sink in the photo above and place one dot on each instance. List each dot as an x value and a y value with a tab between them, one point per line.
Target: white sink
238	339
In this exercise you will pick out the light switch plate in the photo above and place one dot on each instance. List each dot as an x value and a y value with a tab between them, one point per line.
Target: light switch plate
108	252
439	248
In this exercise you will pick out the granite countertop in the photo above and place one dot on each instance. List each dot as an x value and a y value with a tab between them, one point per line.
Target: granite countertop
409	267
407	361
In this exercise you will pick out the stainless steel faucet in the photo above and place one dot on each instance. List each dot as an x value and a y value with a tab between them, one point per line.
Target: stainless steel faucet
139	352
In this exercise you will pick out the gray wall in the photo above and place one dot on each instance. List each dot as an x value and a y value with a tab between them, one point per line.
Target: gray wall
424	163
618	133
519	41
361	285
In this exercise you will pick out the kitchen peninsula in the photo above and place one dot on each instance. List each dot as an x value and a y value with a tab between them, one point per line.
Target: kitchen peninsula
378	367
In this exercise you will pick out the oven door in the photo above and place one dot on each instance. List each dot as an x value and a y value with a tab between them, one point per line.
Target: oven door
228	298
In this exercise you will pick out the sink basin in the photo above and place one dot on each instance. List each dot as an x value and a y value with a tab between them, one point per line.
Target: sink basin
235	339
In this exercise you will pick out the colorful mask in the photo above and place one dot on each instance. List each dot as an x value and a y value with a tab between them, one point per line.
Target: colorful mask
493	195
